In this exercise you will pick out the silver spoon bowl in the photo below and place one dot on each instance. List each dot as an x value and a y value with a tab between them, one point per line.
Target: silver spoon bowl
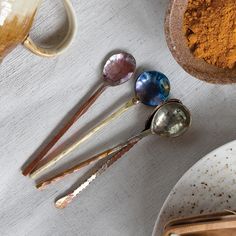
172	119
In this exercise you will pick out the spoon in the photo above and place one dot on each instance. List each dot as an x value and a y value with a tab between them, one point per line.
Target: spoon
152	88
85	163
118	69
172	119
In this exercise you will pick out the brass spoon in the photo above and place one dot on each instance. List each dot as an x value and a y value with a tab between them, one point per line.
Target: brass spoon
118	69
171	119
151	88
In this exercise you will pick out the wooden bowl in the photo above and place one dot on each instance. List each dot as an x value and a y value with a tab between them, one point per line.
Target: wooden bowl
177	44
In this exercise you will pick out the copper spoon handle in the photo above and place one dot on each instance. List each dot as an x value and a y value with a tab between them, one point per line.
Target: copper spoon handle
81	165
66	200
81	111
86	136
76	168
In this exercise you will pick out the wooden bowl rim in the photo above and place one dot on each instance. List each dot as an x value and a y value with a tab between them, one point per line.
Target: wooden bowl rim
182	54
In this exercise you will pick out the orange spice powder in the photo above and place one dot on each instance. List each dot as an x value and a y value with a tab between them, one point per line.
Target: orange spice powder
210	28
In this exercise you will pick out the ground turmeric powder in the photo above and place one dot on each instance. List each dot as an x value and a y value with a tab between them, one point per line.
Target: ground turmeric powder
210	28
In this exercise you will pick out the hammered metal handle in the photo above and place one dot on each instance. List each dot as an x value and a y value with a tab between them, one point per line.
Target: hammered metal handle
66	200
86	136
44	183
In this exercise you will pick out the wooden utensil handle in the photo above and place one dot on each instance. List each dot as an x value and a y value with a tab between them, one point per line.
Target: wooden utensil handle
81	111
66	200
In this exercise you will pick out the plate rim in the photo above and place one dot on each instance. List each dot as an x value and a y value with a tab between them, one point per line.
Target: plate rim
169	195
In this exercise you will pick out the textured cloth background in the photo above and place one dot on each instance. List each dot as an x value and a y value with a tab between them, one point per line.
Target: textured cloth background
36	94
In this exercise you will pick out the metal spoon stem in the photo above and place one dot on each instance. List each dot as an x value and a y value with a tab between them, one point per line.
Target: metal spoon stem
118	69
75	145
67	199
171	119
81	111
91	160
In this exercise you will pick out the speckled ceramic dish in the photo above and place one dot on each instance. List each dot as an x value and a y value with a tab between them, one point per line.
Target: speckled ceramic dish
177	43
208	187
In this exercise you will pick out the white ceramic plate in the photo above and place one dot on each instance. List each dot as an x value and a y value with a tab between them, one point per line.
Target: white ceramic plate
209	186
